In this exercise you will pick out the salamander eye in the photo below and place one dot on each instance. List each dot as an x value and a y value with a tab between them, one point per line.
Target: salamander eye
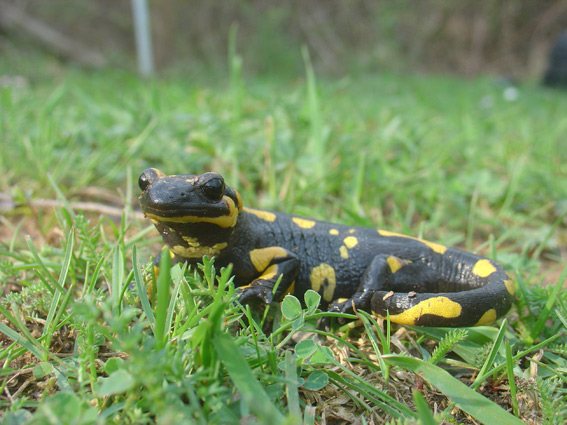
214	189
143	181
148	176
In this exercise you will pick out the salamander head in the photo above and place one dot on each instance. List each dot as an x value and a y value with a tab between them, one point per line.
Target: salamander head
189	210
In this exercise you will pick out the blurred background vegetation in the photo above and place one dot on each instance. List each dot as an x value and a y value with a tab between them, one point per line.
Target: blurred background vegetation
470	37
321	109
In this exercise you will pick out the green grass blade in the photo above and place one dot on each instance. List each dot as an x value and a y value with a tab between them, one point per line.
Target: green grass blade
117	279
125	287
163	297
62	197
46	277
471	222
560	374
377	396
178	278
291	385
370	325
548	308
492	355
253	394
15	336
357	385
235	68
425	416
316	144
47	329
562	319
514	173
50	315
511	379
141	288
270	157
309	415
519	355
465	398
551	231
24	338
87	289
359	186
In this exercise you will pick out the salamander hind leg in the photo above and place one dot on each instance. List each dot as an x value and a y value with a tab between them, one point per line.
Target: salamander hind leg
377	276
431	309
420	294
423	296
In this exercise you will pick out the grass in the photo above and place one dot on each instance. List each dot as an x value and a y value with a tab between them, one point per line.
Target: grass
466	163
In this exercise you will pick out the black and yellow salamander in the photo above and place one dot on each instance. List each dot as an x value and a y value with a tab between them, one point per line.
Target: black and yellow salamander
417	282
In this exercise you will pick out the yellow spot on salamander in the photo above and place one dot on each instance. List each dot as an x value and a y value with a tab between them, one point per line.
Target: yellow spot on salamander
509	286
290	290
239	201
350	242
303	222
197	251
352	230
434	246
270	272
159	173
191	241
333	232
264	215
394	263
262	257
439	306
323	276
437	247
487	317
483	268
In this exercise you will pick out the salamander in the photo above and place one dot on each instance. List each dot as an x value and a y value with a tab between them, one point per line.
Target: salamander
414	281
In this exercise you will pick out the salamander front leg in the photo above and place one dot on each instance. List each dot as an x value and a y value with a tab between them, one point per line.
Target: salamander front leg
375	278
270	263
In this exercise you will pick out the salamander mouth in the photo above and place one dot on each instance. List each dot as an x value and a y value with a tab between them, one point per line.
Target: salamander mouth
223	214
169	213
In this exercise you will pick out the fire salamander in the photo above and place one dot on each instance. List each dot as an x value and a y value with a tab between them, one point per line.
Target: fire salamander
417	282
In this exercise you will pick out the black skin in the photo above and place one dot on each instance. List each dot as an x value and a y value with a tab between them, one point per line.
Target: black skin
372	270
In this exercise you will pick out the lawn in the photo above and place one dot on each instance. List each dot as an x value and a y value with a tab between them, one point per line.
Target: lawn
476	164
